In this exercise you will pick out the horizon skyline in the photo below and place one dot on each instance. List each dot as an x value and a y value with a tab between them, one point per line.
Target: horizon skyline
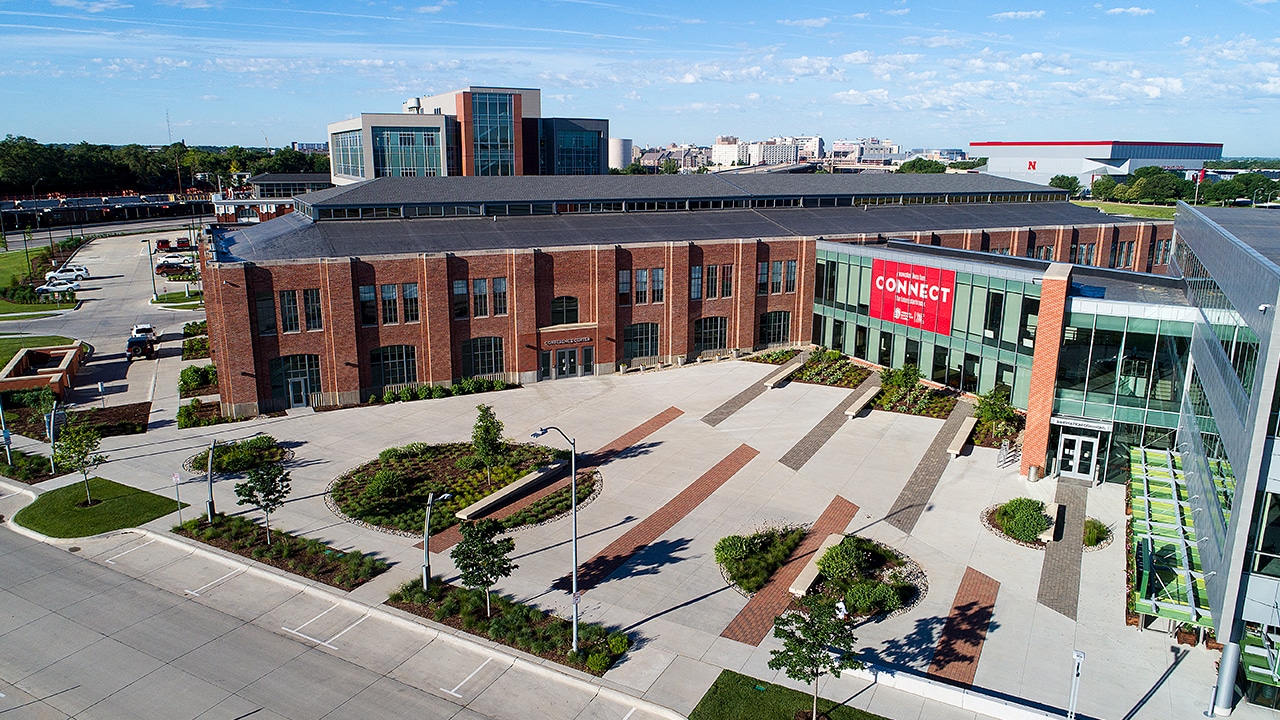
215	73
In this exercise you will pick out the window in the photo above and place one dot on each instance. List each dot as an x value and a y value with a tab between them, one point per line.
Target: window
791	276
461	304
775	327
368	305
289	311
297	373
775	282
659	285
500	296
642	287
409	291
726	281
480	297
482	356
564	310
710	333
389	313
713	287
695	282
762	278
624	287
394	365
266	303
311	308
640	341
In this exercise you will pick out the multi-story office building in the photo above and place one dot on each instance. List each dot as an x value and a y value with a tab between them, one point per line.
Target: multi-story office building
378	145
1087	161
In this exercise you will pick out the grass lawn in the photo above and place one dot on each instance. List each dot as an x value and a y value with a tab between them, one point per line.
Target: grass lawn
10	345
35	316
13	262
59	513
1159	212
178	297
738	697
13	307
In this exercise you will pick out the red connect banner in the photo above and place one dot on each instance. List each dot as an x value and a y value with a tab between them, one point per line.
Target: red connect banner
913	295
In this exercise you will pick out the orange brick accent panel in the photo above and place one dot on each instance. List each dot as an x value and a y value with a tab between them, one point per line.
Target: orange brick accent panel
754	621
1044	364
955	660
446	539
618	552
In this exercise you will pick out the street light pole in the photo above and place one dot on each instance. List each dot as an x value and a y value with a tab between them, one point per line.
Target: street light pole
209	477
573	504
426	539
154	295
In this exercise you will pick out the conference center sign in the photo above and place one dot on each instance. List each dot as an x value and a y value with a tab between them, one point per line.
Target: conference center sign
913	295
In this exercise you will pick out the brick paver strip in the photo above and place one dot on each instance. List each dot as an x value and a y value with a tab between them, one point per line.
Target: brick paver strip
915	495
955	659
809	445
618	552
1060	574
446	539
755	620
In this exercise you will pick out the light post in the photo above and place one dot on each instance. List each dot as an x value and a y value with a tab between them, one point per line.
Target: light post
573	503
1078	659
209	476
426	540
151	256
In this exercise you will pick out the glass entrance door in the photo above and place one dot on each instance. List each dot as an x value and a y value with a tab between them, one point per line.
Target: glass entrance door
567	363
298	392
1077	456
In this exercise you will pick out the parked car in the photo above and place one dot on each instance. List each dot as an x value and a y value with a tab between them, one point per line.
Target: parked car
167	268
176	259
57	286
141	342
67	273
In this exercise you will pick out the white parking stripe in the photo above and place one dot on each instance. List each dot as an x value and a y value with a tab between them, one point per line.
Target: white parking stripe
628	715
464	680
344	630
326	612
206	586
112	560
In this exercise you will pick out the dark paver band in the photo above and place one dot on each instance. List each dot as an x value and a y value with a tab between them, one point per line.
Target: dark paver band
809	445
618	552
915	495
446	539
955	659
752	624
1060	575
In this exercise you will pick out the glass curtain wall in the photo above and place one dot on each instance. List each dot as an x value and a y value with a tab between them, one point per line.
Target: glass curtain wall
406	152
494	131
577	152
348	153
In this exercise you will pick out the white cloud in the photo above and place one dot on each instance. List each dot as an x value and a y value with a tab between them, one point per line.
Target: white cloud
91	6
899	11
878	96
188	4
435	8
1019	15
1271	86
937	41
1136	11
808	22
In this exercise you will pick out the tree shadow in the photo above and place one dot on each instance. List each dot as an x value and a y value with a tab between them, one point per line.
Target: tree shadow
596	459
936	643
645	559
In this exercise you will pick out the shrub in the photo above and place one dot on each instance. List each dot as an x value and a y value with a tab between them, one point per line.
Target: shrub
869	597
1095	532
196	376
439	391
1022	519
842	561
42	398
767	550
730	548
406	395
423	392
598	662
195	348
194	328
386	483
619	643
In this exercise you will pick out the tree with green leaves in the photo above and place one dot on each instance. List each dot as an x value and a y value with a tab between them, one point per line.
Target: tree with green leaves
77	450
266	488
670	167
815	642
1070	183
483	558
922	166
487	446
1103	188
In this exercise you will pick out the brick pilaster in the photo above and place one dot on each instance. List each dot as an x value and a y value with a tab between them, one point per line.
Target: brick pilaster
1044	364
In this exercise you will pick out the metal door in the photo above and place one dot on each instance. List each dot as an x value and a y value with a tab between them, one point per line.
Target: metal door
298	392
566	363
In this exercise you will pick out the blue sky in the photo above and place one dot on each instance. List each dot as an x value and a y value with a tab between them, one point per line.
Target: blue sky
935	74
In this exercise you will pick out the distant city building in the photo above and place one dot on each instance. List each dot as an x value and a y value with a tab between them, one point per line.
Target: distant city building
869	151
619	153
945	155
472	131
729	151
1087	161
270	196
774	152
317	148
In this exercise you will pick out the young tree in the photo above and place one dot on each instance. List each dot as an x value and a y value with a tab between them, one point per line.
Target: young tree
486	441
77	450
808	641
1103	188
482	557
1070	183
266	489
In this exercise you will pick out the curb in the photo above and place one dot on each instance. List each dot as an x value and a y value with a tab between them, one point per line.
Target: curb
393	615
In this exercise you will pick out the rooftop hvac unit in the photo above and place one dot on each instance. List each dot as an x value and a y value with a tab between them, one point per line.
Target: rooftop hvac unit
414	105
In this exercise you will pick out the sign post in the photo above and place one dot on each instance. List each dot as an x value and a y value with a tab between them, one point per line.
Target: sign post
102	393
8	442
177	480
1078	657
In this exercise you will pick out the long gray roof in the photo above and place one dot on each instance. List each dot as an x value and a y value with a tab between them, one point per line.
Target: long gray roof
1255	227
397	191
296	236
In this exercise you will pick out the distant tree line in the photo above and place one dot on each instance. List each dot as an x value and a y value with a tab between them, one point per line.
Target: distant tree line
1244	164
87	168
1156	185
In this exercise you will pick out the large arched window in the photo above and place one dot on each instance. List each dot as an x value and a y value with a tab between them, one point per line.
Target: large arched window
564	310
640	341
482	356
775	327
394	365
710	333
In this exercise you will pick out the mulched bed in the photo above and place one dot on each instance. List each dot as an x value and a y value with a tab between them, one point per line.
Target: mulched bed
988	517
901	568
308	558
774	357
202	391
941	403
110	421
982	437
195	348
831	372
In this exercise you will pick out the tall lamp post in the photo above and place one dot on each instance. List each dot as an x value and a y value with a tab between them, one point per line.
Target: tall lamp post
150	255
573	503
426	539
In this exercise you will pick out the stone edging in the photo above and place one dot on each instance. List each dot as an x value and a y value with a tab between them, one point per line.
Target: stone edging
1111	535
985	517
189	467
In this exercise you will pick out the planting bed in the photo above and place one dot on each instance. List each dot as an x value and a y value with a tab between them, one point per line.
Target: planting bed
774	357
828	367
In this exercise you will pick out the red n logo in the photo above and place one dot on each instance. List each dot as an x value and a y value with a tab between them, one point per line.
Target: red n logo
1031	164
